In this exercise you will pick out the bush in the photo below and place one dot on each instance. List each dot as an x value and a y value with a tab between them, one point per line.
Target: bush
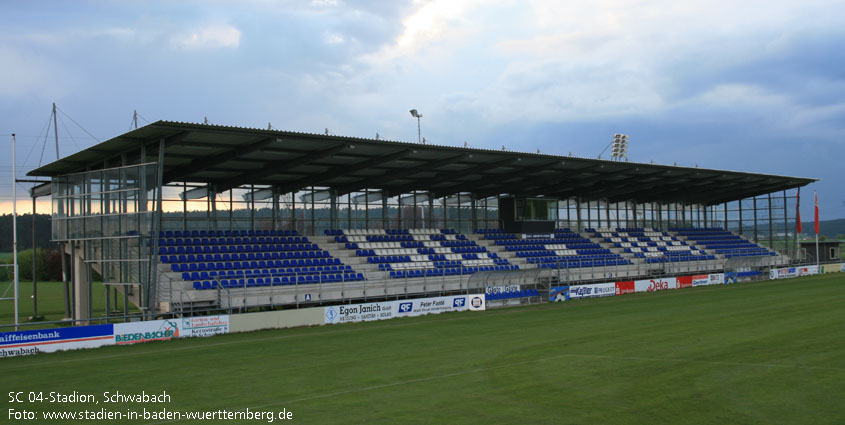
45	257
54	265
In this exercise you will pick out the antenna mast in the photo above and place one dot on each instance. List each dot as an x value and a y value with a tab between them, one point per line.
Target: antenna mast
56	130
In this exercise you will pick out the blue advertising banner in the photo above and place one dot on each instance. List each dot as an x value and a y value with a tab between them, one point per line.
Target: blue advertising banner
50	340
559	293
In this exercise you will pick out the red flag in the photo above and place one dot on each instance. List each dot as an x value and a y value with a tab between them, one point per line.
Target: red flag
798	211
815	195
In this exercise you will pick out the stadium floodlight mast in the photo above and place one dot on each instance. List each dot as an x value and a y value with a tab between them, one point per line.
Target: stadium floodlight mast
620	147
417	115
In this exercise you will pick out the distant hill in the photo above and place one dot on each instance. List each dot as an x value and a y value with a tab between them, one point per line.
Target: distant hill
827	228
43	231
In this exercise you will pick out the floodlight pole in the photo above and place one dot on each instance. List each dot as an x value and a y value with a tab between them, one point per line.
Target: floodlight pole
15	234
417	115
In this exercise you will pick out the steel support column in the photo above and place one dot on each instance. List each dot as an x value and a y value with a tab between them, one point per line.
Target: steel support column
771	226
754	205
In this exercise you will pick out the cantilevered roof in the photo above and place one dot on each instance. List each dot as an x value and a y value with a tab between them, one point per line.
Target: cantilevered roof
228	157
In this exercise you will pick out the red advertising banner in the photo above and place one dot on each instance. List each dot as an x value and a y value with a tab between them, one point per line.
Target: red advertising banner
626	287
684	281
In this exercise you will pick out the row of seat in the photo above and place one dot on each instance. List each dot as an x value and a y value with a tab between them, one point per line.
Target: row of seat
223	233
548	253
606	261
457	271
278	281
233	241
582	264
252	256
290	271
679	258
389	232
620	229
226	249
550	241
751	254
240	265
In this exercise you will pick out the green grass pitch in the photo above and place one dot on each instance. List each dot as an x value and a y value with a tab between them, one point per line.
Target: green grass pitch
755	353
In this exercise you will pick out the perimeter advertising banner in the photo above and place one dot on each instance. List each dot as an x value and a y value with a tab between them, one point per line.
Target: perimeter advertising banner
625	287
783	273
559	294
717	278
808	270
50	340
203	326
592	291
152	330
365	312
684	281
832	268
701	280
652	285
502	289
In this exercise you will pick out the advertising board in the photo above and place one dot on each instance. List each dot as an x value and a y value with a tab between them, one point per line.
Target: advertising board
151	330
684	281
559	294
50	340
831	268
592	291
701	280
502	289
203	326
716	278
783	273
658	284
350	313
625	287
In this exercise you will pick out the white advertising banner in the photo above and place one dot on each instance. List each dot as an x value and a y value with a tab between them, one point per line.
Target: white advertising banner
501	289
808	270
716	278
152	330
204	326
783	273
651	285
401	308
592	291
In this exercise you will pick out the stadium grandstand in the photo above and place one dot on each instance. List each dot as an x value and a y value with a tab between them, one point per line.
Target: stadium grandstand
179	218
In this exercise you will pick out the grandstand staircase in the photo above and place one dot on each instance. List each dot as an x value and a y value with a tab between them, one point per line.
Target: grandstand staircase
614	249
347	256
499	250
130	269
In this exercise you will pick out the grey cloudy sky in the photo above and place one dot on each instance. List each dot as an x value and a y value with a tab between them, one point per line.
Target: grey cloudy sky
752	86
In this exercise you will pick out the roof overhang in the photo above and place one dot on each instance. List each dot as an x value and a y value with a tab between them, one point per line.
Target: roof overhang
227	157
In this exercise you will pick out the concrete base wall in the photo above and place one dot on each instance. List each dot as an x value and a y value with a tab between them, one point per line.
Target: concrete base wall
276	319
